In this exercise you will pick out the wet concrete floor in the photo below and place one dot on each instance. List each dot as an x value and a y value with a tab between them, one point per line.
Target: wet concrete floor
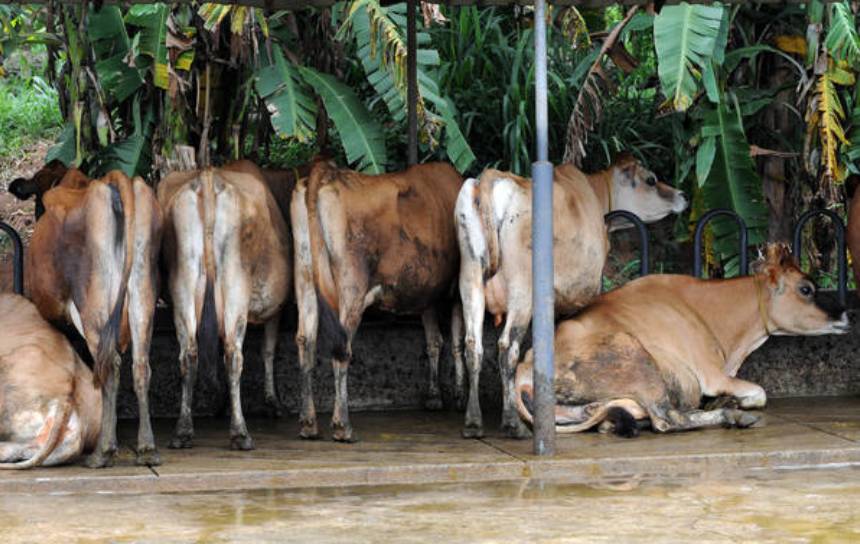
808	505
794	478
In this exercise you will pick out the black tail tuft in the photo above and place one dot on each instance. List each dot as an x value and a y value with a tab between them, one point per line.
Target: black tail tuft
527	402
109	335
624	424
207	341
332	338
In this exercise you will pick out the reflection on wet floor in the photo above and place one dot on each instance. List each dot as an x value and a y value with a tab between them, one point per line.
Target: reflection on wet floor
777	506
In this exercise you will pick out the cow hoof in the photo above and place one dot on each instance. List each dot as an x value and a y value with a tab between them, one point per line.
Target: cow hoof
98	459
743	420
433	403
515	430
342	433
148	458
473	431
242	442
181	442
309	429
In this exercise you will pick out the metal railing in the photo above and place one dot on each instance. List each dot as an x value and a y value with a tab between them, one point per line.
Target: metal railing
644	242
17	257
742	240
842	287
643	236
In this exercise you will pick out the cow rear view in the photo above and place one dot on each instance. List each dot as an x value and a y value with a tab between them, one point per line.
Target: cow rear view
92	263
228	254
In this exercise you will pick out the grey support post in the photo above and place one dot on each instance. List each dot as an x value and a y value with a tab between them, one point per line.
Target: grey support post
542	266
412	82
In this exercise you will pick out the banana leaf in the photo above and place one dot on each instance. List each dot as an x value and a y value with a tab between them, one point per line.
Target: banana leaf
292	109
361	135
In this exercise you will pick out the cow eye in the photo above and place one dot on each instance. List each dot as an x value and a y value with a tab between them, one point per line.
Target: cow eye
805	290
651	181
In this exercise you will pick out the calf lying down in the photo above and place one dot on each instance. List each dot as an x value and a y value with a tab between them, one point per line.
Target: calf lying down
50	409
653	348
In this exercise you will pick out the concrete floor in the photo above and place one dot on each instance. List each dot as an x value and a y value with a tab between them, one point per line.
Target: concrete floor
400	448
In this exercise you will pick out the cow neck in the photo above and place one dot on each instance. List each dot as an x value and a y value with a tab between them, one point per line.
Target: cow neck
733	313
601	184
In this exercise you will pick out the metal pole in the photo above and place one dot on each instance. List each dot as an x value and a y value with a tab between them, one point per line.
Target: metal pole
17	257
542	265
412	82
842	260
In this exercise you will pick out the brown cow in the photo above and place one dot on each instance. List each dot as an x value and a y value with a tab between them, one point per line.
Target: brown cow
493	219
362	241
50	409
228	252
92	262
653	348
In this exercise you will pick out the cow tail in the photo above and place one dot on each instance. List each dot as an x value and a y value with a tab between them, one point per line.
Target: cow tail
57	419
485	208
207	326
332	338
122	206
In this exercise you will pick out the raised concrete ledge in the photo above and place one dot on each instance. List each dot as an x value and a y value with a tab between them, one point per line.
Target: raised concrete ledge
420	447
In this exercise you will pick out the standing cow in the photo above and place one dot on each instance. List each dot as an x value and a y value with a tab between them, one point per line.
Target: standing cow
493	217
362	241
92	262
652	349
228	253
50	408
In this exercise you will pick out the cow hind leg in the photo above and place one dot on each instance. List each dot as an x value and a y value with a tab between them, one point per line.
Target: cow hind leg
457	354
186	334
269	344
351	311
140	316
509	353
233	359
472	295
103	455
434	346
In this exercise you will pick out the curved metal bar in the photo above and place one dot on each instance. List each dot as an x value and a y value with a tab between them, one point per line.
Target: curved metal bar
644	240
742	243
17	257
842	263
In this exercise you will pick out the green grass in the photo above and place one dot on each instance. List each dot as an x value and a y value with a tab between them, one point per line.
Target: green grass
29	112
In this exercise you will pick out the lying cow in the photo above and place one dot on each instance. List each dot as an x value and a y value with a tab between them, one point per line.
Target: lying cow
493	217
92	263
362	241
227	249
50	408
653	348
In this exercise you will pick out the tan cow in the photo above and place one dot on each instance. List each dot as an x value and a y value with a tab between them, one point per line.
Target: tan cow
50	408
228	253
362	241
92	262
493	217
654	347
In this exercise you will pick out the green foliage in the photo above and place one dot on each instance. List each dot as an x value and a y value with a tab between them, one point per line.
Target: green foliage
28	112
688	38
292	110
360	134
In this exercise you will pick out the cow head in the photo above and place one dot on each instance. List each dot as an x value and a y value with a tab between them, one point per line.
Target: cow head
49	176
795	306
637	189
